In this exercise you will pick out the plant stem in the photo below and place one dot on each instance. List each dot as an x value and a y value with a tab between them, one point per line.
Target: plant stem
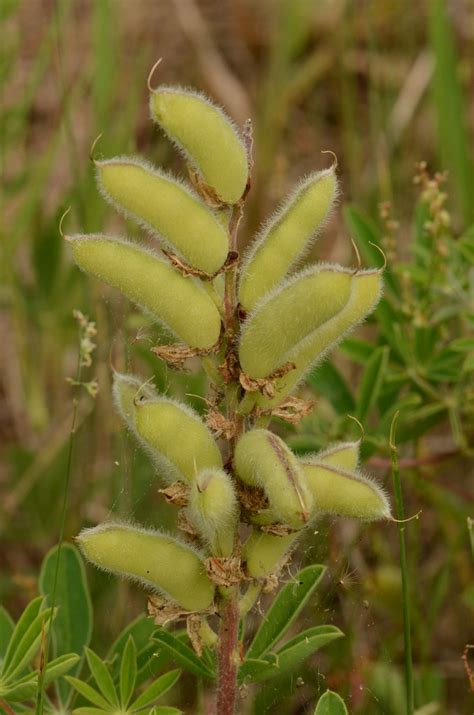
228	656
410	704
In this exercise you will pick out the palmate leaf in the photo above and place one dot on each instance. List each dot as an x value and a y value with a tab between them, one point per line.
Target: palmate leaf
26	687
128	672
330	704
102	677
73	624
285	608
27	645
156	689
372	382
7	626
289	656
25	621
183	655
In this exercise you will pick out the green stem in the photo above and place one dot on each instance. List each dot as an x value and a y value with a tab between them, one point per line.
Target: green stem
400	512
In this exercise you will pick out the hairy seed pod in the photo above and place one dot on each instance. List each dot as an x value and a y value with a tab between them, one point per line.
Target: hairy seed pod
263	552
126	389
287	236
345	493
184	223
206	136
158	423
343	455
153	559
366	288
181	304
289	316
263	460
213	509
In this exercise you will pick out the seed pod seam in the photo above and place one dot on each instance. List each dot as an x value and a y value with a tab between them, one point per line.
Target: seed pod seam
318	457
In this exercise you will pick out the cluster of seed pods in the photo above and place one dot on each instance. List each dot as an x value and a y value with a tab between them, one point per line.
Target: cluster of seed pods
287	321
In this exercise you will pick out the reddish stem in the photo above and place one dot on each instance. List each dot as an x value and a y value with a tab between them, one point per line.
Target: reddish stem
228	657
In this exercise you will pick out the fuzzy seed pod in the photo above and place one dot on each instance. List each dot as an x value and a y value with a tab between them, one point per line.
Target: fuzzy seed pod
263	460
344	455
213	509
366	288
184	223
263	552
286	319
153	559
181	304
287	236
176	438
345	493
206	136
125	391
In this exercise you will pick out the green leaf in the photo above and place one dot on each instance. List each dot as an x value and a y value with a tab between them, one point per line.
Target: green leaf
59	666
26	619
372	382
141	630
28	646
128	672
357	350
165	710
330	704
284	609
23	689
183	655
88	692
289	656
156	689
7	626
328	382
305	644
102	676
73	623
463	345
89	711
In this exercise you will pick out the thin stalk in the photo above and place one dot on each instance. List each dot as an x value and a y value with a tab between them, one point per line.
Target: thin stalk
400	512
228	655
45	654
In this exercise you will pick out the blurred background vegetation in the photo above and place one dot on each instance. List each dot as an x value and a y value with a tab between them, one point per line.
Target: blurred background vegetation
384	84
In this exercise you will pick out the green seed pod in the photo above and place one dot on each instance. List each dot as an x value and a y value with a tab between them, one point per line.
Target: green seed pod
213	509
153	559
286	236
263	552
345	493
181	304
163	204
287	318
158	423
262	459
344	455
125	391
206	136
366	287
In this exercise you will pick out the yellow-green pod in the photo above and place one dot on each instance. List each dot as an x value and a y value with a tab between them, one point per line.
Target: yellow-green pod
176	437
213	509
156	560
287	318
181	304
126	390
366	288
286	236
344	455
163	204
262	459
263	552
345	493
206	136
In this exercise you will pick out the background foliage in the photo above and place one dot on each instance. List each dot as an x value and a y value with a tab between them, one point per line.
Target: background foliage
384	85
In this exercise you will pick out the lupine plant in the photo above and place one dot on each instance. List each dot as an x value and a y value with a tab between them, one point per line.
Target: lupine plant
258	323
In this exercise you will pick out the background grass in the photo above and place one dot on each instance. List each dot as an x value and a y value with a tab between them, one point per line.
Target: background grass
383	84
